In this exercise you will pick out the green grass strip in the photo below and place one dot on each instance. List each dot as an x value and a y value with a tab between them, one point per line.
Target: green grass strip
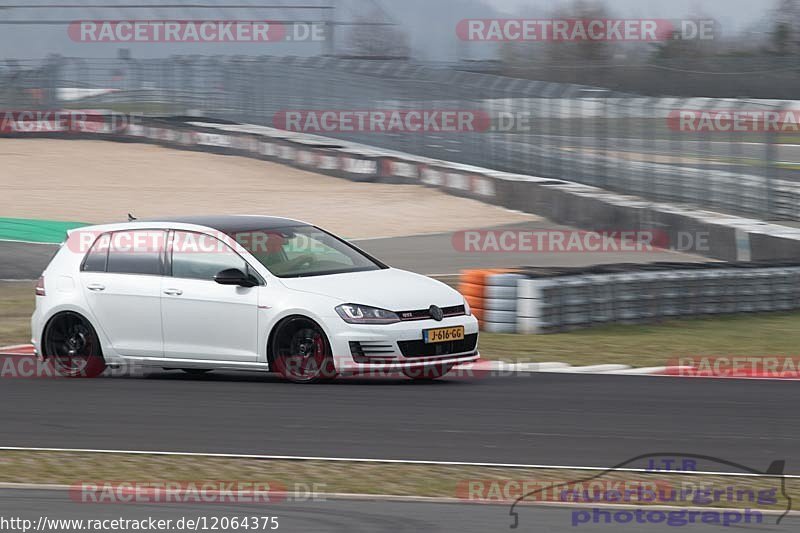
33	230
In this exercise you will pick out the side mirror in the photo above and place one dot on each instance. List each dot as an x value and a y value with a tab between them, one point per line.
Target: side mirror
234	276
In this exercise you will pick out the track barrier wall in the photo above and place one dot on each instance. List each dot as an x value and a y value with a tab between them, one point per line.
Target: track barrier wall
731	238
547	300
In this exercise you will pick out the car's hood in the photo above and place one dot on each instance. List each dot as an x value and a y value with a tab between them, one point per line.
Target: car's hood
392	289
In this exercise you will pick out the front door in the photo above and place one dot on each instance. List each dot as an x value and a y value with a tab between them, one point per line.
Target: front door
202	319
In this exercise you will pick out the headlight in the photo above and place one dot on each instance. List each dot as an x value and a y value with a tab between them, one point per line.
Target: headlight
467	310
363	314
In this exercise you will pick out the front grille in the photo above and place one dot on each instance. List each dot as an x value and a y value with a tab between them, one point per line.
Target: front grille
420	349
370	351
425	314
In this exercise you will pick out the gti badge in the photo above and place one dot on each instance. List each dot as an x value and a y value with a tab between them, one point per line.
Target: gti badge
436	313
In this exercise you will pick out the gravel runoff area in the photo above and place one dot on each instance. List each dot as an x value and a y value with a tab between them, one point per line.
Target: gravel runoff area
101	181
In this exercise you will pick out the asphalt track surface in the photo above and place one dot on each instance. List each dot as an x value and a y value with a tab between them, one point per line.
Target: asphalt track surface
427	254
547	419
334	516
436	254
19	260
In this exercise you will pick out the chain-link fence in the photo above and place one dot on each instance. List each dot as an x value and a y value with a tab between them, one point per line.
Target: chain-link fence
731	155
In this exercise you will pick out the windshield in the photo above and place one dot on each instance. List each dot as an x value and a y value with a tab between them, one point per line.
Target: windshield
300	251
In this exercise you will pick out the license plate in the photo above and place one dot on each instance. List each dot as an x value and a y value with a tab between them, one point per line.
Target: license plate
431	336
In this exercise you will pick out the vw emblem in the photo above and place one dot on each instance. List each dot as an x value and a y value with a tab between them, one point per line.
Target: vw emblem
436	313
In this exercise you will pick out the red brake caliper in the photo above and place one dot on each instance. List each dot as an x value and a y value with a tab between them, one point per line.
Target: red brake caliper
319	351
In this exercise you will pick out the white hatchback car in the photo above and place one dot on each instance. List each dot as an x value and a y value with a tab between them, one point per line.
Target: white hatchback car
242	292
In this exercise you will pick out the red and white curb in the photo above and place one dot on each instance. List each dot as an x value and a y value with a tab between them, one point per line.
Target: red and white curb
17	349
502	367
485	367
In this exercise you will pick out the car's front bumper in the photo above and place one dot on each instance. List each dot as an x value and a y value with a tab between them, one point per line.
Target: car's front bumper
382	350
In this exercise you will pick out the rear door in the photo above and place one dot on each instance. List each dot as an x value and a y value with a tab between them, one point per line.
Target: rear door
202	319
121	277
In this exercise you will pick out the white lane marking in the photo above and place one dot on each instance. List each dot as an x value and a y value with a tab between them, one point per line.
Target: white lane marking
32	242
534	218
386	461
437	499
592	369
427	234
642	371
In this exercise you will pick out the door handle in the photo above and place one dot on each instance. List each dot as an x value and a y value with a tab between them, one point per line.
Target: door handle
173	292
96	287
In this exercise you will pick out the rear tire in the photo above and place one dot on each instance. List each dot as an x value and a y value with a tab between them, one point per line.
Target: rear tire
428	373
300	351
71	344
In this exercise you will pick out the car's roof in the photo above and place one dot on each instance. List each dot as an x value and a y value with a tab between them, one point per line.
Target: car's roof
231	223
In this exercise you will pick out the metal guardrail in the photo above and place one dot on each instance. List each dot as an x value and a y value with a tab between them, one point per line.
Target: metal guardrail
616	141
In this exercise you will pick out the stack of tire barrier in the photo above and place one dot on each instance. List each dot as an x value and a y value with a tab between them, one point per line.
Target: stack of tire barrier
492	296
544	300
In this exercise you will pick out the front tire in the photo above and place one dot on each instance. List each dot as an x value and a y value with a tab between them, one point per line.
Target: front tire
72	346
301	352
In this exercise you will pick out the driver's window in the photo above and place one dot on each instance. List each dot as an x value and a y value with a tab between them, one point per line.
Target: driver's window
200	256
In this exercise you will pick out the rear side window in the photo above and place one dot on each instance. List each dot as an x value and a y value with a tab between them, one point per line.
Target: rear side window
136	252
97	257
200	256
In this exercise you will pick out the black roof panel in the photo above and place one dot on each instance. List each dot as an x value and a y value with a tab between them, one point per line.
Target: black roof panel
229	224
